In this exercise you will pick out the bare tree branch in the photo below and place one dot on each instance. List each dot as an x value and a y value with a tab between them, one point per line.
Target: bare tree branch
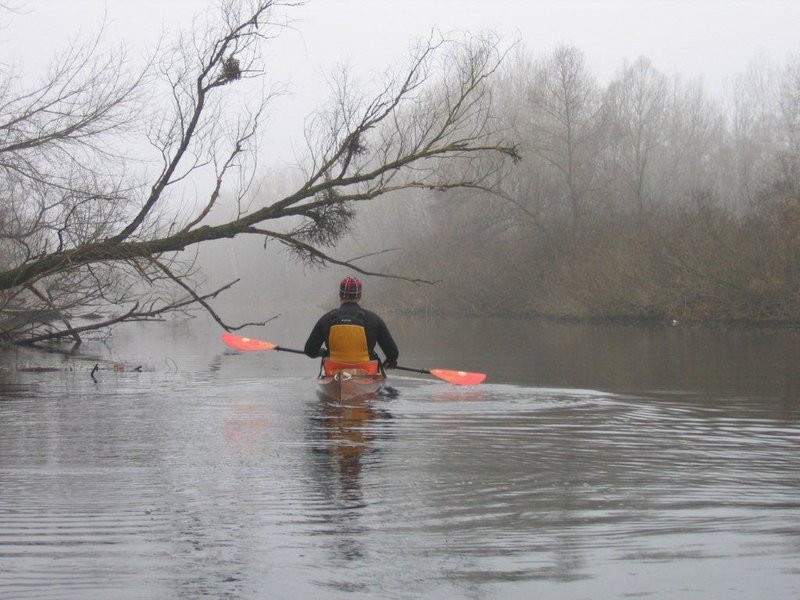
105	230
202	300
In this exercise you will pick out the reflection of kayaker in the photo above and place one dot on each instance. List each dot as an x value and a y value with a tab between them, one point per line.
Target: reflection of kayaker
347	431
346	337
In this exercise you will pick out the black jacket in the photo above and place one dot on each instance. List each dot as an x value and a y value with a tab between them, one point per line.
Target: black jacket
375	328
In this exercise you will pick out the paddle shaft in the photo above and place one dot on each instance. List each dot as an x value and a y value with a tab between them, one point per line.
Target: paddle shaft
282	349
398	367
425	371
413	370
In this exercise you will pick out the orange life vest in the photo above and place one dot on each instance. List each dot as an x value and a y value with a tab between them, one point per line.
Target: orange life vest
347	349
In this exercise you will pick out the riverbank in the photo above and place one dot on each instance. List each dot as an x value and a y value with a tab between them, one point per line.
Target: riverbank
648	321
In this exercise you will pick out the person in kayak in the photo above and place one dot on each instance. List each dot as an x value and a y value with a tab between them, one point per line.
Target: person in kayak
350	332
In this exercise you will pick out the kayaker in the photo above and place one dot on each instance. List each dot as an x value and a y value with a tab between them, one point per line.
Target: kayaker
350	332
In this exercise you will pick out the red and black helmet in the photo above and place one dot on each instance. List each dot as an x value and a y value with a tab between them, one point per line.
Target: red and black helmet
350	289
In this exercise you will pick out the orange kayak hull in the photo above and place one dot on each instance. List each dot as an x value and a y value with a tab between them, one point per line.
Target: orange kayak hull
350	384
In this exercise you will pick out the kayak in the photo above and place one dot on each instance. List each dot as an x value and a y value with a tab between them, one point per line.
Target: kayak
350	384
343	382
246	344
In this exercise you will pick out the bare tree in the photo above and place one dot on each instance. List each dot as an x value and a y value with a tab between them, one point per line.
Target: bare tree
565	121
752	128
790	104
693	162
83	226
636	104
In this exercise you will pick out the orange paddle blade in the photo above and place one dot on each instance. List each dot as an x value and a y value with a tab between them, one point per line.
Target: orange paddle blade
237	342
459	377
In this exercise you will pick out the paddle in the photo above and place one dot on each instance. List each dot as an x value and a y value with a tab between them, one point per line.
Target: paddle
246	344
456	377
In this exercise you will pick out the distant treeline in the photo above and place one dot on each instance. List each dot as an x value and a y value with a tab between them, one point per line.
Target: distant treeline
644	199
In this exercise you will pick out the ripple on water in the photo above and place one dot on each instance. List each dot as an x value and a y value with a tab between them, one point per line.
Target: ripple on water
185	487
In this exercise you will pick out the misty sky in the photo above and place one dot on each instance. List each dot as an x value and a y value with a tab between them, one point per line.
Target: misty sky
693	37
712	39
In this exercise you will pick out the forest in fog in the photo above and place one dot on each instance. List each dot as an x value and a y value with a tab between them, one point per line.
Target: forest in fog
472	177
644	199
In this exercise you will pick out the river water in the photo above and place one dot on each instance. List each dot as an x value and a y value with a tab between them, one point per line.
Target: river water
595	462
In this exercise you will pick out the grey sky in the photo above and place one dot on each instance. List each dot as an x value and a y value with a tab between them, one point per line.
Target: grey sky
712	39
693	37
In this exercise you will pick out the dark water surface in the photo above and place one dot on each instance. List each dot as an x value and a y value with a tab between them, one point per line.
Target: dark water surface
596	462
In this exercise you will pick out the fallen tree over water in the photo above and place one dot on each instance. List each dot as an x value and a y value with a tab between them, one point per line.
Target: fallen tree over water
88	227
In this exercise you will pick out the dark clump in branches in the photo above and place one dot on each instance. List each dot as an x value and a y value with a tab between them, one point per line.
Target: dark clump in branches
324	226
230	70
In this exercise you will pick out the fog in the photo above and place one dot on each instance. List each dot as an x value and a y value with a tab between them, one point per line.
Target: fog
654	176
711	41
